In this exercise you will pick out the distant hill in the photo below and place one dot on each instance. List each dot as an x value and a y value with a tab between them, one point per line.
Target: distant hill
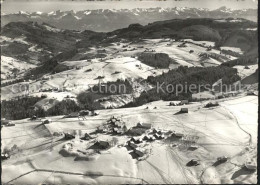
46	46
32	42
228	32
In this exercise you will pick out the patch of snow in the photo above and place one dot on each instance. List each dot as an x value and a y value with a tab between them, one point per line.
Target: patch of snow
52	29
51	13
38	13
252	29
234	49
242	72
77	17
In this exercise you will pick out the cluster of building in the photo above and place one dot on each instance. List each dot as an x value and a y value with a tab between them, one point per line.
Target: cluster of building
150	136
114	125
99	144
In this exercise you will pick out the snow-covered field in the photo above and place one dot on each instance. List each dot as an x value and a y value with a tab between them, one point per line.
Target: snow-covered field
237	50
244	72
8	64
120	63
204	43
229	129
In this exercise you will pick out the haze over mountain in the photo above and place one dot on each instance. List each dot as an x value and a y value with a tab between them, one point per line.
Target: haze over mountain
103	20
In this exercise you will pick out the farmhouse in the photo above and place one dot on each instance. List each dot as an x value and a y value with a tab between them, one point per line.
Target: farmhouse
139	151
211	104
157	136
117	131
155	131
132	145
136	140
149	138
147	125
177	135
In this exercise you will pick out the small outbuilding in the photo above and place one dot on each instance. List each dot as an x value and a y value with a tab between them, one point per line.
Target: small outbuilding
33	117
69	136
5	156
148	138
5	121
144	125
184	102
47	121
177	135
10	124
136	140
102	144
184	110
72	115
86	137
132	145
140	152
157	136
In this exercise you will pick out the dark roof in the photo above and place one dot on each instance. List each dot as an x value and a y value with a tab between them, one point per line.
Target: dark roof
102	143
132	144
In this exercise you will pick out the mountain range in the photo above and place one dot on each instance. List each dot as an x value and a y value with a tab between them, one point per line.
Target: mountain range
105	20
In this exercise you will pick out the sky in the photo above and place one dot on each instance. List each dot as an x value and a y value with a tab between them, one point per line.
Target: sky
13	6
